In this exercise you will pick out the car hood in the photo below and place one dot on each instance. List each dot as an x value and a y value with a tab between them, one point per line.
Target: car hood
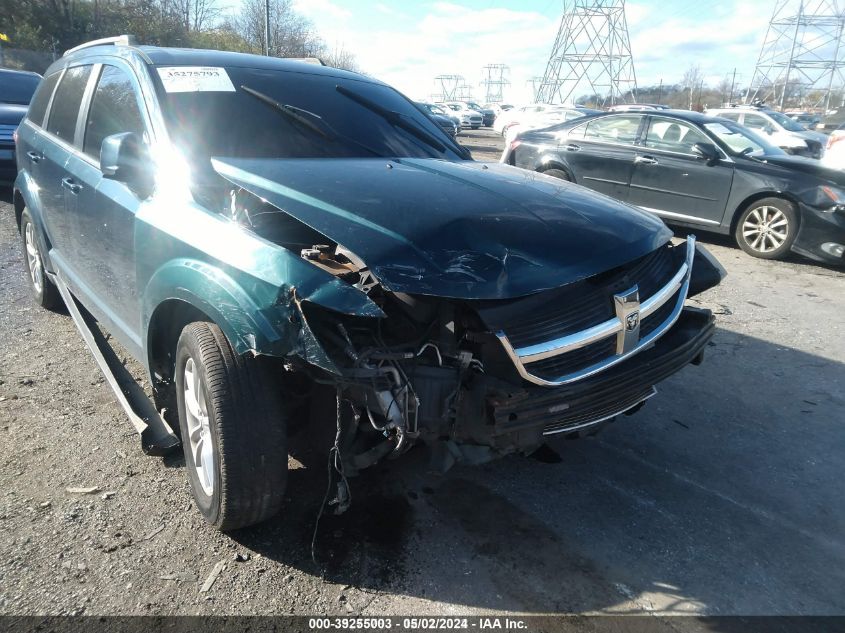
463	229
806	166
11	113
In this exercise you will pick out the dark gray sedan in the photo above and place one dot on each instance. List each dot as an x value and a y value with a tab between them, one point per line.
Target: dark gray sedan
698	171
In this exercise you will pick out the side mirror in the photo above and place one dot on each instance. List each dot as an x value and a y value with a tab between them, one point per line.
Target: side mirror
124	158
707	151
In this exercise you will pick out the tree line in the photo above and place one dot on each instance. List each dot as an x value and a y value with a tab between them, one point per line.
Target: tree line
39	31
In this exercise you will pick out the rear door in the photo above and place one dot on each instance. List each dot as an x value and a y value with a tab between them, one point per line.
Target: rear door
56	149
600	153
670	180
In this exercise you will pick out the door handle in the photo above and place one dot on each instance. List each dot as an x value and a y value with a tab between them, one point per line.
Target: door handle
645	160
71	185
34	156
572	147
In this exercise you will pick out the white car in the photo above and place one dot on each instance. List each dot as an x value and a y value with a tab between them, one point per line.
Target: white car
534	116
834	153
469	117
777	128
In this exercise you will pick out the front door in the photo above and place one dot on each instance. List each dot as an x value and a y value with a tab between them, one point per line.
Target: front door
672	181
106	208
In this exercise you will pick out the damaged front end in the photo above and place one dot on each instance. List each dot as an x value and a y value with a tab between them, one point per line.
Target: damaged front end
477	379
494	365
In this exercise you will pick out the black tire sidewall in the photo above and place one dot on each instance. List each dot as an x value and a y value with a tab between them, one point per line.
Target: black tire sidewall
209	506
785	207
558	173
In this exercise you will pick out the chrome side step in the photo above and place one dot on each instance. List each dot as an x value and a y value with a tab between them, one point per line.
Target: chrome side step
157	438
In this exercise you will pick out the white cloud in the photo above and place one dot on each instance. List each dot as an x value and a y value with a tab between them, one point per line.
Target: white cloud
408	50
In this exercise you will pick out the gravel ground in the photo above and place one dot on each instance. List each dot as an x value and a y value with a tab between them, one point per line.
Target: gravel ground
722	496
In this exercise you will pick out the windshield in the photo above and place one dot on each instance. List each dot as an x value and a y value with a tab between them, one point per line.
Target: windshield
474	105
17	88
281	114
786	123
741	140
435	109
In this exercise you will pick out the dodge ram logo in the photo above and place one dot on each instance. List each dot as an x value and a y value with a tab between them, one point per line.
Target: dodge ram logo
627	306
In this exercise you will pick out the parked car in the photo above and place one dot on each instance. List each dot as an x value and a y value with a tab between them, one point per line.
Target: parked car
524	113
498	108
447	123
780	130
284	246
488	115
16	90
537	120
469	118
701	172
807	119
834	153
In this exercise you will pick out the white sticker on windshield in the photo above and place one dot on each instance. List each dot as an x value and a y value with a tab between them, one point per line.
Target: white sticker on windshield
195	79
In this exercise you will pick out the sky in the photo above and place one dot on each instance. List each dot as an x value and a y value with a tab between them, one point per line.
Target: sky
408	43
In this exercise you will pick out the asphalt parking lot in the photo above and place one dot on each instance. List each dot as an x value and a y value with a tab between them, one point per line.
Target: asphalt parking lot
723	495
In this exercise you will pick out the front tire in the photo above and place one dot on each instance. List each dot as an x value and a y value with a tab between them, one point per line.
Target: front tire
767	228
233	428
43	291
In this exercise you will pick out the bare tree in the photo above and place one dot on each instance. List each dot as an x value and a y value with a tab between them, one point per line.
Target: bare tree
692	81
291	35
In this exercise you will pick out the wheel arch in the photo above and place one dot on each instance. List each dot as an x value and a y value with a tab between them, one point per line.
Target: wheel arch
184	291
760	195
551	162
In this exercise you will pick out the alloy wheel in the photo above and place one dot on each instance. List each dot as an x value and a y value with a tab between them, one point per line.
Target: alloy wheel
33	257
199	427
765	229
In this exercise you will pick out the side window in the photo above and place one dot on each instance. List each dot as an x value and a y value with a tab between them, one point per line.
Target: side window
38	106
673	136
614	129
65	110
733	116
756	122
114	109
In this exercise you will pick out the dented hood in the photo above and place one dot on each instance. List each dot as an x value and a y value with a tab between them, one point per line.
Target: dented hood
465	230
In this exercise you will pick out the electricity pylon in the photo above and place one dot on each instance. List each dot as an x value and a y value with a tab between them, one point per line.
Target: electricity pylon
494	81
449	86
802	58
592	51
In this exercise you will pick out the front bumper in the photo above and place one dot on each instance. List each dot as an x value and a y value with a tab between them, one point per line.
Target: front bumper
541	411
821	235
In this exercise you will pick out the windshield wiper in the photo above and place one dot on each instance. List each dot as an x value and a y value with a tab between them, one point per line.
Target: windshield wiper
306	118
396	119
291	112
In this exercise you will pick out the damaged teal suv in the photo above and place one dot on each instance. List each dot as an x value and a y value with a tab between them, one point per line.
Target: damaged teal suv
268	236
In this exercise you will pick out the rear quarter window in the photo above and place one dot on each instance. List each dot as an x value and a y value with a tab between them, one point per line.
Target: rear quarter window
65	109
38	107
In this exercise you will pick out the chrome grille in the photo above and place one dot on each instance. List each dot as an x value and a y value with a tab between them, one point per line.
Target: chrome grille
578	306
569	356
